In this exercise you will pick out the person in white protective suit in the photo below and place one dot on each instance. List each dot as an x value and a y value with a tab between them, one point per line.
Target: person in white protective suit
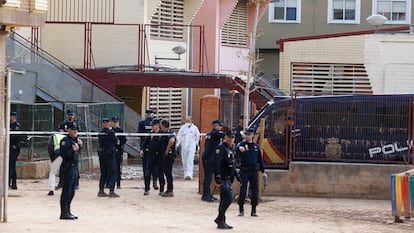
188	137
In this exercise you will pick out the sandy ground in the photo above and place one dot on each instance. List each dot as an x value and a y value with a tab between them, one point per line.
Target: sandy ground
31	210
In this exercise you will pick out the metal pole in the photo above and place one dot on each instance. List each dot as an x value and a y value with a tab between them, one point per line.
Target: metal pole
7	149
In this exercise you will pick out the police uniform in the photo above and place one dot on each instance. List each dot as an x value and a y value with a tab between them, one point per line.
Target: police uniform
119	151
153	152
144	126
251	162
213	139
63	127
14	152
224	171
106	152
168	161
70	173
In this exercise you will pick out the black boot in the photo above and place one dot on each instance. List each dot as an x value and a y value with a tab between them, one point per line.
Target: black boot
241	210
254	211
221	224
14	184
64	214
70	213
227	225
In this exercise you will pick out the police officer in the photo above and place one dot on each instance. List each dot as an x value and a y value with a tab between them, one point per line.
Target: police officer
106	153
251	162
63	127
224	171
70	147
168	158
144	126
152	151
119	150
14	150
213	139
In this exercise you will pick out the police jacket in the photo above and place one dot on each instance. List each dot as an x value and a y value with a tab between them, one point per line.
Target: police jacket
225	163
66	151
15	139
107	140
251	159
165	141
213	139
144	126
122	139
237	133
153	145
64	125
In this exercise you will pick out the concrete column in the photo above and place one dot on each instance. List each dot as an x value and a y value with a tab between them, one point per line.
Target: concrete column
209	111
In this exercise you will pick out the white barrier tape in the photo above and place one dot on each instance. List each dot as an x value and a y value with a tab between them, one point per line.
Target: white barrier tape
93	134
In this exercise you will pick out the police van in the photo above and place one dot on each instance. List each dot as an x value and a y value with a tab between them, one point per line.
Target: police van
358	128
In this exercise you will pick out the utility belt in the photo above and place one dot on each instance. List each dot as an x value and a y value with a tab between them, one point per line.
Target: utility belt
67	165
105	151
249	169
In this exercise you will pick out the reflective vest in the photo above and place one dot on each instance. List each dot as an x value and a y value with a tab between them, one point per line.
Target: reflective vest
56	142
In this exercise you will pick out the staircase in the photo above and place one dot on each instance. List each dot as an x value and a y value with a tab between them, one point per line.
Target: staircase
57	83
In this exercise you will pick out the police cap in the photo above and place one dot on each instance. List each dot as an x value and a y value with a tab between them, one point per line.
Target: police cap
155	121
229	134
70	112
13	113
217	122
73	126
249	131
241	116
105	120
115	119
149	111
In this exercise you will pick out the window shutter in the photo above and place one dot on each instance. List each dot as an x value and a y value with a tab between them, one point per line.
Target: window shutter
330	79
170	12
234	31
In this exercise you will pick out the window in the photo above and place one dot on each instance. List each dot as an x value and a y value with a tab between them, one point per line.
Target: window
344	11
168	15
234	32
284	11
396	11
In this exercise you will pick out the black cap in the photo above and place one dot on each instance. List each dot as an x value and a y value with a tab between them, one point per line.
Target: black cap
229	134
249	131
155	121
149	111
217	122
115	119
73	126
105	120
13	113
241	116
290	117
70	112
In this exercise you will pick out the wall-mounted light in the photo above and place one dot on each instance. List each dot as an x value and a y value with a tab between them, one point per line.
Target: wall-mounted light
177	50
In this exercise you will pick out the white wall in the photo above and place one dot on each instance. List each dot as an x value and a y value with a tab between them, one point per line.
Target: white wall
389	59
233	60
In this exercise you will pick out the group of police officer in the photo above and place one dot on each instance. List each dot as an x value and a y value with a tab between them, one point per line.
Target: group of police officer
158	153
227	161
110	154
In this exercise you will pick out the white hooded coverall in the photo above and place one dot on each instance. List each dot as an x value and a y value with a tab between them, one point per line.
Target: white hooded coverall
188	137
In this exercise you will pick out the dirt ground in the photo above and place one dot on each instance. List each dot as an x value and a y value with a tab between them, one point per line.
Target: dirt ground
31	210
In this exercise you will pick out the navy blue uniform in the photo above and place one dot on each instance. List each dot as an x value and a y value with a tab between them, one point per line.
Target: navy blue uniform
119	150
70	173
144	126
168	160
107	146
153	153
63	126
251	162
14	153
213	139
224	171
238	136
